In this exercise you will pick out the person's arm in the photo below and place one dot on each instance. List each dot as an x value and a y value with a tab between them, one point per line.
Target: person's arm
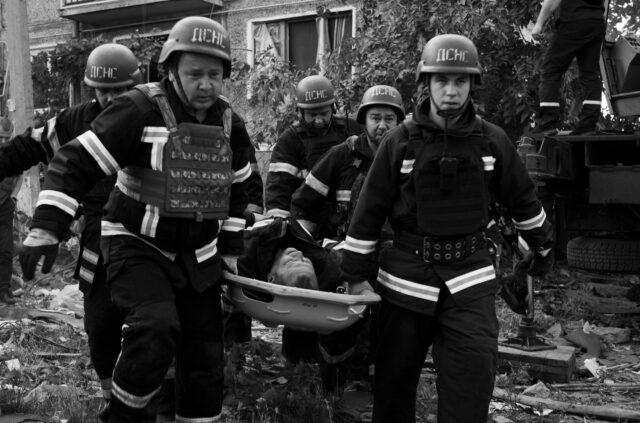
373	207
255	187
547	9
307	202
21	153
230	238
284	175
517	193
109	145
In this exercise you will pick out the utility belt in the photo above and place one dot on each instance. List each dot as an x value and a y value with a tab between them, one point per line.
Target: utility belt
439	249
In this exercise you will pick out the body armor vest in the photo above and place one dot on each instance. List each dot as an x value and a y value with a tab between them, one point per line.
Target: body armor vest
196	177
451	187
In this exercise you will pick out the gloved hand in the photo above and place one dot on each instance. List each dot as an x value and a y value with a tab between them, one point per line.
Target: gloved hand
38	243
542	263
513	287
360	288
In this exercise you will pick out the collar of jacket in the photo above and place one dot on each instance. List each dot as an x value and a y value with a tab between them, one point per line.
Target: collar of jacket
93	109
463	127
361	147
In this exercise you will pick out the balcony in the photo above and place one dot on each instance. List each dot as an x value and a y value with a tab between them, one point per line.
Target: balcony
107	13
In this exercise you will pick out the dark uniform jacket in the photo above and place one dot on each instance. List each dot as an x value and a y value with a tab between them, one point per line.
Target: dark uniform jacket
132	132
293	155
390	190
39	146
336	179
580	10
255	188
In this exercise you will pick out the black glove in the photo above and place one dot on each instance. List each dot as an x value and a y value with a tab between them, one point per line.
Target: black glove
541	265
513	287
37	244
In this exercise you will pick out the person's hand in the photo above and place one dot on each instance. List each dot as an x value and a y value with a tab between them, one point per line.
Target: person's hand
38	243
537	33
78	225
513	287
360	288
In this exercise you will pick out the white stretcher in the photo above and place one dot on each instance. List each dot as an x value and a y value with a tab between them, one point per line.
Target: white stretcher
297	308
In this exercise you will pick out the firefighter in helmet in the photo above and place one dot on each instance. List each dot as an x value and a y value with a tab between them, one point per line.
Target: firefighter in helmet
296	151
300	145
432	179
111	69
336	180
337	177
182	161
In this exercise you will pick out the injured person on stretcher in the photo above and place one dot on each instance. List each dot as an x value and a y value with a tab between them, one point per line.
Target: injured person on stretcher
292	268
285	256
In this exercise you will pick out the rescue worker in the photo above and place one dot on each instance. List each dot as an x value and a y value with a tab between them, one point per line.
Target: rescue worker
182	158
433	177
304	142
337	177
296	151
111	70
579	33
9	188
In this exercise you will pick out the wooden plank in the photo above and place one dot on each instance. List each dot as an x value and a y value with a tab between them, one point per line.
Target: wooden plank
555	365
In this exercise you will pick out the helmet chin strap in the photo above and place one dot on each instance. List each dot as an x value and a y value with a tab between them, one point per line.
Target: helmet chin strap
175	80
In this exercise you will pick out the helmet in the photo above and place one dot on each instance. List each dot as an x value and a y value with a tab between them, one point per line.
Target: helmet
381	95
449	53
197	34
6	127
314	91
112	65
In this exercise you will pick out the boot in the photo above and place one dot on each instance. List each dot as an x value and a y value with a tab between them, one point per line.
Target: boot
333	378
6	296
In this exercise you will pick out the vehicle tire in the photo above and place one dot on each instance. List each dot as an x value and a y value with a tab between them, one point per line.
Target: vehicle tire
604	254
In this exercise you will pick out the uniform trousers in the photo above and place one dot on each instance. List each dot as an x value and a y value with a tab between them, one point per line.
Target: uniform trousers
163	318
582	40
465	351
7	207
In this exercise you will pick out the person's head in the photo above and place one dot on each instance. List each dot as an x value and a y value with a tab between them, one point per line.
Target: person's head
111	70
6	128
316	102
292	268
448	70
380	110
197	57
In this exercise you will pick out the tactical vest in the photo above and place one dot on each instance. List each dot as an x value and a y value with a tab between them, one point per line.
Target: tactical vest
452	197
196	177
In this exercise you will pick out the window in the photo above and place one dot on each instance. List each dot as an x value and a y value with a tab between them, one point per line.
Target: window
302	40
151	42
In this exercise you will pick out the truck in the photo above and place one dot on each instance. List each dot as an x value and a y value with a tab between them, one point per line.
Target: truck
590	183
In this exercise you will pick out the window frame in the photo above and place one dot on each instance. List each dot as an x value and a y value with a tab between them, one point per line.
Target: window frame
252	23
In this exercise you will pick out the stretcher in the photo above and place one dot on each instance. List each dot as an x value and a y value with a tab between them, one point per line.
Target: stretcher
297	308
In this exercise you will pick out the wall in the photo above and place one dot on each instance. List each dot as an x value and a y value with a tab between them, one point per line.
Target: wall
46	27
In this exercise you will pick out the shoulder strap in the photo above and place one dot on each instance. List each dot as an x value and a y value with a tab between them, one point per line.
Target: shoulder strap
416	136
155	94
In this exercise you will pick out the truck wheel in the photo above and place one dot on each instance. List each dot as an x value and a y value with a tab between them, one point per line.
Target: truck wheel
604	254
